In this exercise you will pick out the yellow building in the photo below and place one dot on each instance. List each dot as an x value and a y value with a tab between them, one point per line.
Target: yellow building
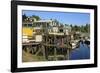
28	31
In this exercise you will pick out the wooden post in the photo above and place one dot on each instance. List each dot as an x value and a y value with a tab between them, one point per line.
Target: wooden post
32	50
27	49
44	54
46	50
68	54
55	49
55	54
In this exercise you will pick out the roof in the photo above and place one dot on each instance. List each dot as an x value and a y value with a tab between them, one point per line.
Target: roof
44	21
26	22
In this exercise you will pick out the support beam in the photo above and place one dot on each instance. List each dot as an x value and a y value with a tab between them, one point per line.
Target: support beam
55	54
68	54
43	51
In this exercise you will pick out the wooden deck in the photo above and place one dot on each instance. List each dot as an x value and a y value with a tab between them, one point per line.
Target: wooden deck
53	42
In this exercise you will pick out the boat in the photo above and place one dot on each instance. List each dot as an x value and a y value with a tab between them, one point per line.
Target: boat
75	44
87	42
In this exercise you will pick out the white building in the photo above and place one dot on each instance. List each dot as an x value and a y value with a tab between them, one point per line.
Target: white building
47	25
67	29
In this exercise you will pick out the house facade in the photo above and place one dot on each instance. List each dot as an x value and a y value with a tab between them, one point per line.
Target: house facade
36	28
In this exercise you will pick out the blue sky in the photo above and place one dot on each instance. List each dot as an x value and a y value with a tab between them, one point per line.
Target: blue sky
63	17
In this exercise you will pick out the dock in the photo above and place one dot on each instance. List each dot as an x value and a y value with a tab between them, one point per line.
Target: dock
52	48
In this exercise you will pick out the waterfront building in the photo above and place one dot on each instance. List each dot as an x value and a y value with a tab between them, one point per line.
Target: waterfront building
27	31
67	29
34	29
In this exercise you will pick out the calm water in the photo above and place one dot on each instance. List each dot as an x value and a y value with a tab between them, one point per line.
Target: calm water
83	52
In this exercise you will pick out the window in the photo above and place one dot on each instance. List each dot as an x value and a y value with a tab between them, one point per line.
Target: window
29	25
61	30
25	25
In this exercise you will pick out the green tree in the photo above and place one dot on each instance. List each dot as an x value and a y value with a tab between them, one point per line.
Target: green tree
24	17
87	28
36	17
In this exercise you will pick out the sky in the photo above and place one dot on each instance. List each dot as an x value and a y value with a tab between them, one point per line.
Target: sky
63	17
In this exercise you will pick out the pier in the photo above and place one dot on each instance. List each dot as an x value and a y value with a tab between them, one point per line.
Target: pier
52	48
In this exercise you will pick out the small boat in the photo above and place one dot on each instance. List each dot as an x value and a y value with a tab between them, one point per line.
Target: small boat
87	42
75	44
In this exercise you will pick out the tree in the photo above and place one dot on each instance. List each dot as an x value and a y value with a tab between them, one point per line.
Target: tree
87	28
82	28
75	28
24	17
66	25
71	25
36	17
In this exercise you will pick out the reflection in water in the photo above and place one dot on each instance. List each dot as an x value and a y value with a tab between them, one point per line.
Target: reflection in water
83	52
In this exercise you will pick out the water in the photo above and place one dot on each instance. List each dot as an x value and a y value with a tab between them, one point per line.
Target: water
83	52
